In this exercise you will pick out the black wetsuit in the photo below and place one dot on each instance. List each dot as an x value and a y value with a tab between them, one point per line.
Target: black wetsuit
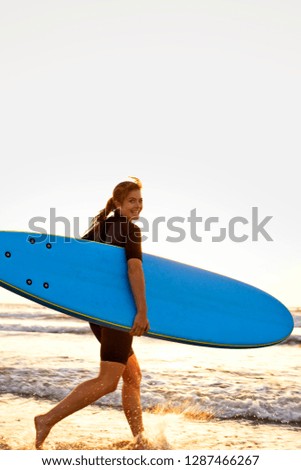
116	345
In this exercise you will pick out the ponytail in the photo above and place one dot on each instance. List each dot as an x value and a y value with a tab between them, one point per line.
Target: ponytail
109	207
97	221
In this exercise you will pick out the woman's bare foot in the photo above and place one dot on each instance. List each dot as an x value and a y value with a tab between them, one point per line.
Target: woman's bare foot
42	430
142	443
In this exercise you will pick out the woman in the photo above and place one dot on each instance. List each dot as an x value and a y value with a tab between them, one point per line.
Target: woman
117	357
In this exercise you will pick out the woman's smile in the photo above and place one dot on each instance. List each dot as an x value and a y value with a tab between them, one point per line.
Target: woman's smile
132	205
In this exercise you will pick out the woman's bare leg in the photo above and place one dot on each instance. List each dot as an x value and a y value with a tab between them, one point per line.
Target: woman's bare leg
131	396
83	395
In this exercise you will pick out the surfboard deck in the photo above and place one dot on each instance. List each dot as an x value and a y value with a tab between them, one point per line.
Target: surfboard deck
89	280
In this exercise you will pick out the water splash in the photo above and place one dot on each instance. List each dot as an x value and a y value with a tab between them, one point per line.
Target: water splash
186	409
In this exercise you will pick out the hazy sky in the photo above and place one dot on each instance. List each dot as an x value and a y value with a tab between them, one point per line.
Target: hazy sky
199	99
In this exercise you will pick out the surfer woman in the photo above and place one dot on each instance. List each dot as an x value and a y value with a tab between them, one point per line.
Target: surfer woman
117	357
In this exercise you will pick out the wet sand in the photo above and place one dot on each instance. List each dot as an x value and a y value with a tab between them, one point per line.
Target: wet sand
106	428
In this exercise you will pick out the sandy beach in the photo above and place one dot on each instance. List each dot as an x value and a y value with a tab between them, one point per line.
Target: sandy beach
192	397
93	429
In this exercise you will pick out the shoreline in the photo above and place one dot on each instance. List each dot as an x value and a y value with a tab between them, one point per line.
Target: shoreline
94	428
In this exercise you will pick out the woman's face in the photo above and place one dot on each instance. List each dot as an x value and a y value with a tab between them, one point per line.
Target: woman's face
132	205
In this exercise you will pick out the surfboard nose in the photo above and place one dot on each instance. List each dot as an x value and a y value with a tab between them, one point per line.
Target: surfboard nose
287	322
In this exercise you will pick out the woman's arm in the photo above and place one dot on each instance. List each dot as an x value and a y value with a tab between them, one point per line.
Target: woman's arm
136	278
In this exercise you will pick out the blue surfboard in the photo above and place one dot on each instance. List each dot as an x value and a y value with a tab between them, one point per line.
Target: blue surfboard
186	304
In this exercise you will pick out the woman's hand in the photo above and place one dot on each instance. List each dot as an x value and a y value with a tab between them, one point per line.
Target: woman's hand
141	324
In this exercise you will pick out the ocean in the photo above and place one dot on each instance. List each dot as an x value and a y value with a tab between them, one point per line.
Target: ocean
192	397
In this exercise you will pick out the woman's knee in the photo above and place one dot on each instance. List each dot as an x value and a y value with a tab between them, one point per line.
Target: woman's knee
111	386
109	376
132	374
107	384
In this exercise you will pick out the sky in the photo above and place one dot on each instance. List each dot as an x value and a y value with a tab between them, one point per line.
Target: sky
200	99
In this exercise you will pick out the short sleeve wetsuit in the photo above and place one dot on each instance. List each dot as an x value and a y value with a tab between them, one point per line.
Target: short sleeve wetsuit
116	345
